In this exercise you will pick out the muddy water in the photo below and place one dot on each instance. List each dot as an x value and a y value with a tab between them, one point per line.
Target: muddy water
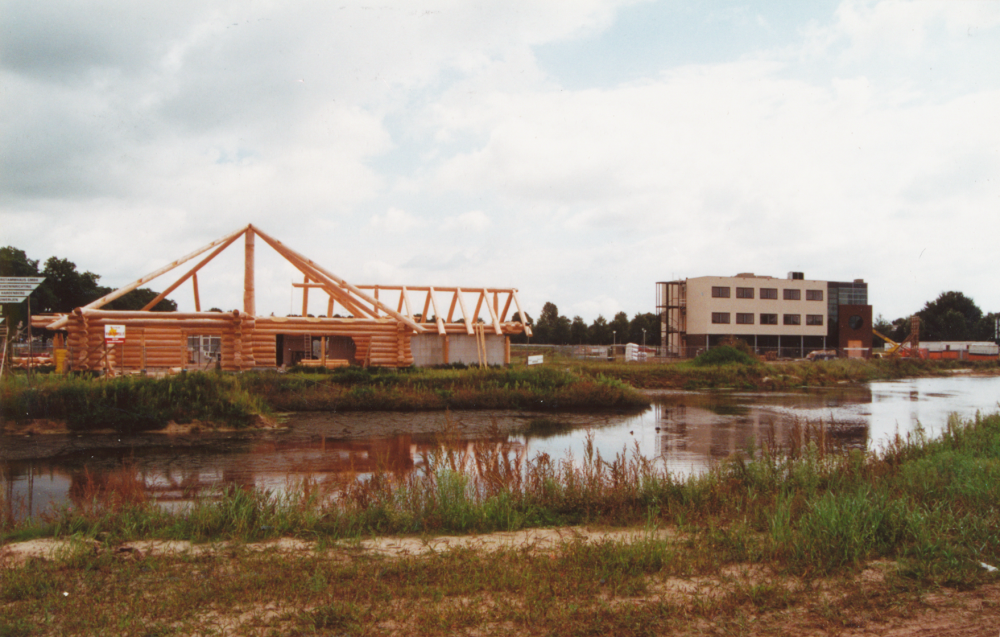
685	430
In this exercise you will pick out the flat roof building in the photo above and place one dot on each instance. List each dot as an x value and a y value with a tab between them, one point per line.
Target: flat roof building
789	317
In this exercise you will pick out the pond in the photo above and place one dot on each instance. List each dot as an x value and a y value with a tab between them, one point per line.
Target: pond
685	430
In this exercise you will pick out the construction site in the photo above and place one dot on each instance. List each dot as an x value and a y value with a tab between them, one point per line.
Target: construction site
369	325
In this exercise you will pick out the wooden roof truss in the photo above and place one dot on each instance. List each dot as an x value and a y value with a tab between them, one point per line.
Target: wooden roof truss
361	301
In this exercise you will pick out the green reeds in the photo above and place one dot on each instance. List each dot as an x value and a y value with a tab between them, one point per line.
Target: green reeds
129	404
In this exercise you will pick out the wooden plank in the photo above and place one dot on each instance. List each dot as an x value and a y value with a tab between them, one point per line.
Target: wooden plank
427	304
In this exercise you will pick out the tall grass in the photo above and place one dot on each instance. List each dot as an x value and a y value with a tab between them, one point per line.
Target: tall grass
809	508
128	404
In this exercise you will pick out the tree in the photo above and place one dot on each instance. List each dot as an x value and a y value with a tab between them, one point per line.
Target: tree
952	316
600	331
523	336
578	331
546	325
620	326
648	321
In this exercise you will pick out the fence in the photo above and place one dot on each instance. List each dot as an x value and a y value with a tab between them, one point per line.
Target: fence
649	354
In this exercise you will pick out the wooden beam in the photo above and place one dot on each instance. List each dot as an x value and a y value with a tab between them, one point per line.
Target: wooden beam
329	307
191	273
479	306
493	318
427	304
122	291
506	307
520	313
249	294
197	298
307	268
406	301
451	310
465	314
285	251
305	298
437	315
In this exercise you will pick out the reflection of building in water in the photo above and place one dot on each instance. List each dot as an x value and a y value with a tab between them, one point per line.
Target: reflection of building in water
690	436
267	465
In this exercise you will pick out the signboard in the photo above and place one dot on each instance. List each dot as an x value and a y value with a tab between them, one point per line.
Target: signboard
114	334
15	289
536	360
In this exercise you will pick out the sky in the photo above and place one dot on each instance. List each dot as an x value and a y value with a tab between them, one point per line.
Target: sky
578	151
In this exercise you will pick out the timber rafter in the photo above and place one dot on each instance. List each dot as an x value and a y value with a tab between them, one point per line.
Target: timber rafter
423	309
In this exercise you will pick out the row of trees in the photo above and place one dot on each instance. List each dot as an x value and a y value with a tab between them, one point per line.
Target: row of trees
952	316
66	288
555	329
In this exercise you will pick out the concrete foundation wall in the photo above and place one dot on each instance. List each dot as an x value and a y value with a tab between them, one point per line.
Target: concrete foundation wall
429	349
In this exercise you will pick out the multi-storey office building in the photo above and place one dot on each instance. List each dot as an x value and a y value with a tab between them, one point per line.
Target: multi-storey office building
790	317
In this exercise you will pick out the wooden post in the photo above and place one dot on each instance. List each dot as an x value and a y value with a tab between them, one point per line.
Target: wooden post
249	305
329	307
305	295
506	350
197	300
323	345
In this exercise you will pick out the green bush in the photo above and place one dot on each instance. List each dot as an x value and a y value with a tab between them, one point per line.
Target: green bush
724	355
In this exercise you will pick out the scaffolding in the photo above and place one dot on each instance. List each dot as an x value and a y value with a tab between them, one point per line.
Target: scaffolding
671	306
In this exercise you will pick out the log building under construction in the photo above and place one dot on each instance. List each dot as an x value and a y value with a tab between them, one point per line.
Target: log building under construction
385	326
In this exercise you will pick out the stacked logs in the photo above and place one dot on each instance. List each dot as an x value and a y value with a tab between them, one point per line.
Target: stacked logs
156	340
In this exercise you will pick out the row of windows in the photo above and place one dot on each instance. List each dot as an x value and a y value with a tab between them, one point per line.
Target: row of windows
746	318
790	294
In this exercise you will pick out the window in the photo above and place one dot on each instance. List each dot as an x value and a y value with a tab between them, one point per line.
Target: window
744	318
814	319
793	295
720	293
744	293
855	322
769	293
768	319
793	319
814	295
720	317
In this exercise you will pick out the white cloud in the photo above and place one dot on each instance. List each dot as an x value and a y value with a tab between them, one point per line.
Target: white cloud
394	220
472	221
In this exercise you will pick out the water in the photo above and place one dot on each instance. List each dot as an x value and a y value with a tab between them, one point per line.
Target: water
685	430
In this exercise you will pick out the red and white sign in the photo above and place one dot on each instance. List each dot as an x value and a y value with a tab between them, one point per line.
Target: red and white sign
114	334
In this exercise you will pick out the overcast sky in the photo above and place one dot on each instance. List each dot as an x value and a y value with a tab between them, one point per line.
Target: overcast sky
579	151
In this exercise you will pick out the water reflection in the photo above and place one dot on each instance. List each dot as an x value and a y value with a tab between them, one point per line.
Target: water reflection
687	431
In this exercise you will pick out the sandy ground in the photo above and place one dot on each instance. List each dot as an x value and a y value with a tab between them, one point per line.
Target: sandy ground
944	613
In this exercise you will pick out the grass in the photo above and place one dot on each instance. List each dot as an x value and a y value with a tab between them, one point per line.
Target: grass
132	404
759	375
777	536
774	540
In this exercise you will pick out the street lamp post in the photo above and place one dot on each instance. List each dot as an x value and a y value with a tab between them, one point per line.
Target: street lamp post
614	342
644	343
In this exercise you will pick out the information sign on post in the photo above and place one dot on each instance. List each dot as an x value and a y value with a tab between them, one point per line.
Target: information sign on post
536	360
114	334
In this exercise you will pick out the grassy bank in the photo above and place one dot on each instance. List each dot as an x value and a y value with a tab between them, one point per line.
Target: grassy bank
356	389
771	376
781	538
139	404
128	404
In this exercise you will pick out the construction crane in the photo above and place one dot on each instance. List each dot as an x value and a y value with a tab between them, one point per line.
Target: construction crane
902	349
